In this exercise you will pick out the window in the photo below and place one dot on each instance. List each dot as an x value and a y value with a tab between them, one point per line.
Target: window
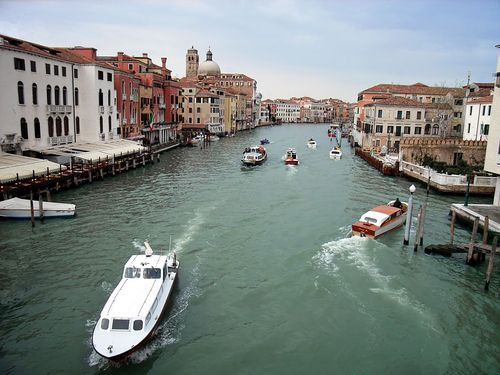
100	75
152	273
130	66
101	127
470	111
33	66
56	95
56	70
77	99
47	68
379	129
418	130
65	96
400	115
19	64
120	324
455	114
190	100
77	120
37	128
468	128
110	77
190	110
75	73
58	126
63	71
433	100
109	97
407	115
427	130
484	110
435	129
20	92
197	120
390	129
66	125
198	110
379	113
459	102
50	126
34	92
104	323
132	273
138	325
419	115
24	128
406	130
109	123
101	98
486	129
489	110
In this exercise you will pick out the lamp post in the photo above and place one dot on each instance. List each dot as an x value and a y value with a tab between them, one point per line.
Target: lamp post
409	214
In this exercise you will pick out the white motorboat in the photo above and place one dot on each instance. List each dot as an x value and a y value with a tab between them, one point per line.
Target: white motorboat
254	155
381	219
311	143
336	153
18	208
197	139
134	309
213	138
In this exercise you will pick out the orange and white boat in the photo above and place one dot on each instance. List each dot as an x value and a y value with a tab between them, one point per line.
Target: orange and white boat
380	220
291	157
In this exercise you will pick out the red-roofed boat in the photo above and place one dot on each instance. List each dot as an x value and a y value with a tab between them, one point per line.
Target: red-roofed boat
380	220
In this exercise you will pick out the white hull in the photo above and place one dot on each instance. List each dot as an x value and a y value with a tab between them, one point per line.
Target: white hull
17	208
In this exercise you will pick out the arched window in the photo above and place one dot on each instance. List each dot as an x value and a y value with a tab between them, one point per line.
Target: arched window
24	128
109	123
34	92
109	97
427	129
66	125
50	125
77	99
57	95
65	96
77	120
49	95
101	129
37	128
435	129
58	126
101	99
123	86
20	92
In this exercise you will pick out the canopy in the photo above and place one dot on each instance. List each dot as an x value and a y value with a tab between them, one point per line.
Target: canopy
12	165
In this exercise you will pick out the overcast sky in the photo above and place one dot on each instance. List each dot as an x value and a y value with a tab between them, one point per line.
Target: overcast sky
292	48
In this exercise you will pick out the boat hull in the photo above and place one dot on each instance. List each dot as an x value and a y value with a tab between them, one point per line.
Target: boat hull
253	162
292	162
17	208
373	231
124	355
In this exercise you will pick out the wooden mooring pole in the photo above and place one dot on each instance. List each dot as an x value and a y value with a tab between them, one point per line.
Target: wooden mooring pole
419	229
424	211
40	205
452	227
472	240
32	210
489	270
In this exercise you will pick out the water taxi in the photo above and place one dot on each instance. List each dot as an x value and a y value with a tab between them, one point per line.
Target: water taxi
336	153
381	219
134	310
254	155
291	157
17	208
311	143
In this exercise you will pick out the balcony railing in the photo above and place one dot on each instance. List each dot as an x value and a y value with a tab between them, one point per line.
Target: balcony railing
124	96
61	140
110	135
101	109
110	109
161	105
62	109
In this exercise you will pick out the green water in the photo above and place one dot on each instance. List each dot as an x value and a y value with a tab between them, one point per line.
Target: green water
270	283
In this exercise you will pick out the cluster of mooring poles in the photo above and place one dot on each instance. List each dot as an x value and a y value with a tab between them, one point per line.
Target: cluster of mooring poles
419	234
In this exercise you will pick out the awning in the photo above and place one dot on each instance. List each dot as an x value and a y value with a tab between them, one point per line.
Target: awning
12	165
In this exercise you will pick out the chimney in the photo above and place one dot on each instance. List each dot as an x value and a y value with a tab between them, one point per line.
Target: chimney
120	56
144	54
163	62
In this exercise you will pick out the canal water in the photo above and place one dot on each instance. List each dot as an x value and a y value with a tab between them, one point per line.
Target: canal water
270	282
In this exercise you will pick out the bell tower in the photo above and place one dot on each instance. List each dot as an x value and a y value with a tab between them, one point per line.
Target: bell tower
192	62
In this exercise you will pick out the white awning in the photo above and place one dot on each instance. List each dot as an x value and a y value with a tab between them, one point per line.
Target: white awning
13	165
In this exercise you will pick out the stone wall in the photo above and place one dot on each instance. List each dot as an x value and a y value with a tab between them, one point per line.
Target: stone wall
414	149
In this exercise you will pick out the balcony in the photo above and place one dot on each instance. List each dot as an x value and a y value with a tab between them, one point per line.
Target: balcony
101	109
161	105
133	97
61	140
124	96
110	109
59	109
110	135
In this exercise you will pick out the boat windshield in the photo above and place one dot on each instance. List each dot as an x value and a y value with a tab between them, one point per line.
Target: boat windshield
132	273
370	219
152	273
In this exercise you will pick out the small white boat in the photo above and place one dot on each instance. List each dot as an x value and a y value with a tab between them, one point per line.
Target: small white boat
311	143
18	208
254	155
196	140
213	138
380	220
134	309
335	153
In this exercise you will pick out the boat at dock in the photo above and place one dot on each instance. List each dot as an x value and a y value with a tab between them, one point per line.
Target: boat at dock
336	153
311	143
380	220
134	309
17	208
291	157
254	155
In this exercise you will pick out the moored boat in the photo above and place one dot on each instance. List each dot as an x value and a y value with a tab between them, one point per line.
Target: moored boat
311	143
336	153
17	208
213	138
291	157
381	219
134	309
254	155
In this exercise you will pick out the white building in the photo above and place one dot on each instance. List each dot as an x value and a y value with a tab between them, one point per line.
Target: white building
287	110
50	96
477	118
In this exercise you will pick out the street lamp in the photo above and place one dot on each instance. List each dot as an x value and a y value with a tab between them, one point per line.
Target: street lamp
409	214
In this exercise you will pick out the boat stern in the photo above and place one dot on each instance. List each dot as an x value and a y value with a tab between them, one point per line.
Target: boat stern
364	229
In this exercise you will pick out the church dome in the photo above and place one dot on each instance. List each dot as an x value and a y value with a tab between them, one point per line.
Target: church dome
208	67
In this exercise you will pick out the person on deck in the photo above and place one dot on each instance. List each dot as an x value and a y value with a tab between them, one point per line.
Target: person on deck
397	203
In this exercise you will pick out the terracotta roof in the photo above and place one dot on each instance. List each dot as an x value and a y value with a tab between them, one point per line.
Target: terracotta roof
481	99
126	58
229	77
70	55
205	92
481	92
29	47
418	88
396	101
